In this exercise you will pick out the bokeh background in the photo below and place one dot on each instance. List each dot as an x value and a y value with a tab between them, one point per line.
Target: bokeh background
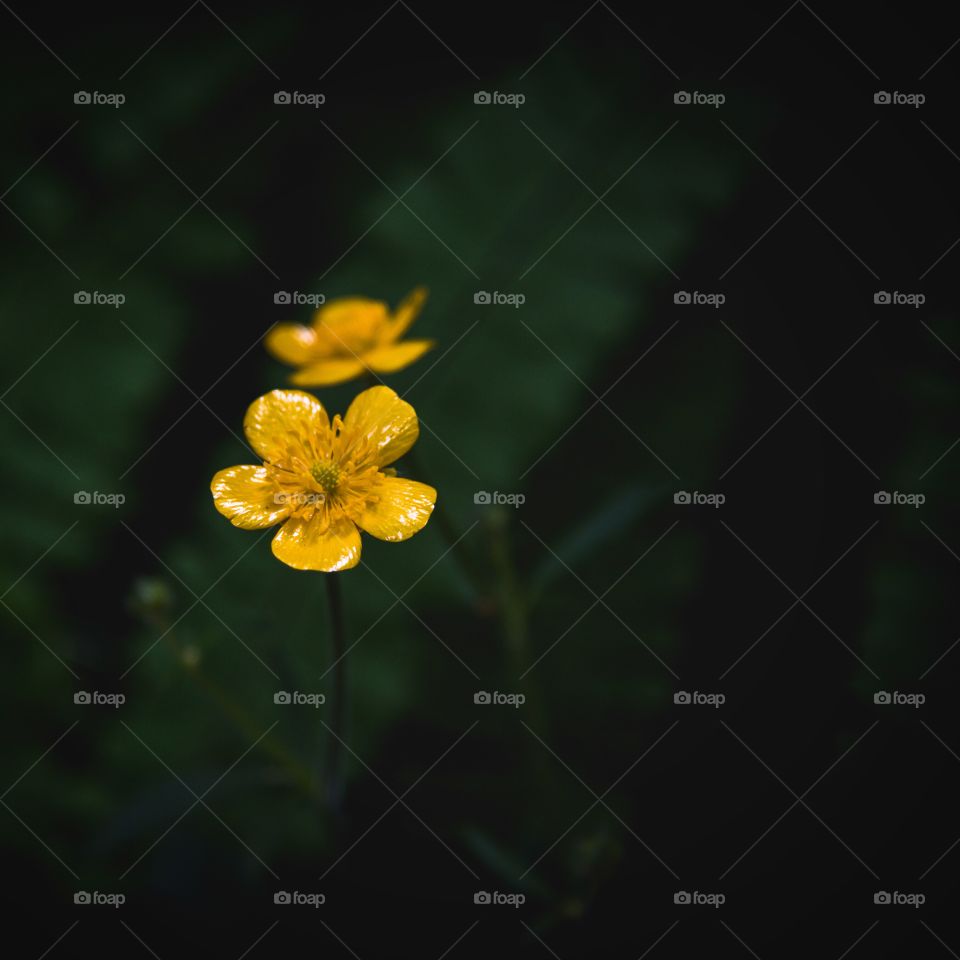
597	399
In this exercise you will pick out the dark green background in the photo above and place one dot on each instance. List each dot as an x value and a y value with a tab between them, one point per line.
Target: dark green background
146	400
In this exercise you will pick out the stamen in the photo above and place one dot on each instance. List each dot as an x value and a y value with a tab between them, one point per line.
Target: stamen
327	474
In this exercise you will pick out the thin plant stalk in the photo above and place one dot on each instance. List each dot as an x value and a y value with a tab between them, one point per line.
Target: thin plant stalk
332	776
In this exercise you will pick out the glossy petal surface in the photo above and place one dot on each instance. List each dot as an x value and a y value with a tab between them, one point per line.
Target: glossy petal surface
247	496
386	423
317	545
281	419
324	479
403	509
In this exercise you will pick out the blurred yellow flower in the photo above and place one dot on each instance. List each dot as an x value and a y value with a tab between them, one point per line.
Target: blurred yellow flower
325	479
348	337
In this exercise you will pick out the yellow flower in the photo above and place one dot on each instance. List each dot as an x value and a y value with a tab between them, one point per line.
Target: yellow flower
348	337
323	479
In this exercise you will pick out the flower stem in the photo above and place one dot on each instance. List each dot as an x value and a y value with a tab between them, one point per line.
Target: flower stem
512	598
332	774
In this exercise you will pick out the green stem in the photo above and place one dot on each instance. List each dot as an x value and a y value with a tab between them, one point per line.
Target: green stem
511	597
332	774
514	607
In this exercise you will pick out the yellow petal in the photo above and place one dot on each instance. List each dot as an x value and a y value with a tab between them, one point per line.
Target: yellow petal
403	509
280	417
248	496
325	373
405	314
388	423
396	356
349	325
292	343
314	545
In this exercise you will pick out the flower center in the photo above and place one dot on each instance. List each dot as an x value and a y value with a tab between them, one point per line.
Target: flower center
327	474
